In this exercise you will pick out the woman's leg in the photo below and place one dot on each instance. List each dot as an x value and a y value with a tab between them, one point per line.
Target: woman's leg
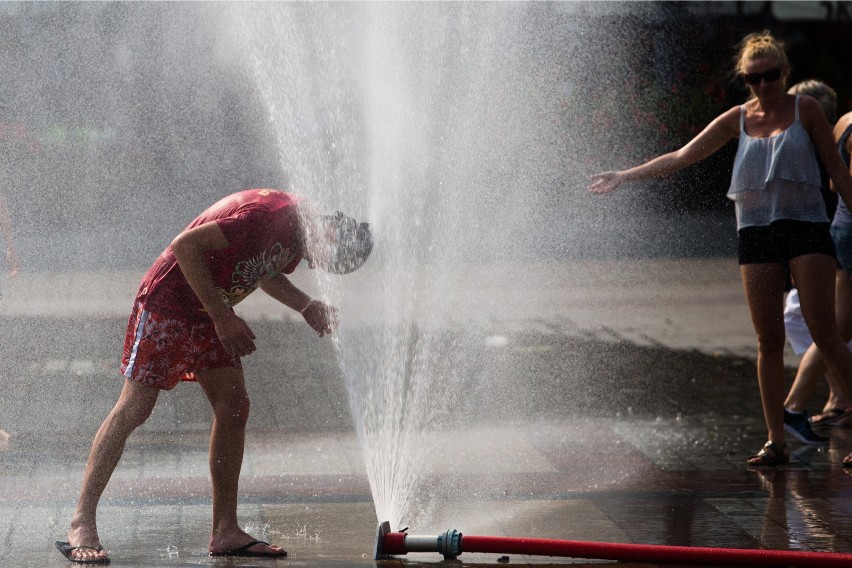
764	291
843	307
815	274
843	284
812	370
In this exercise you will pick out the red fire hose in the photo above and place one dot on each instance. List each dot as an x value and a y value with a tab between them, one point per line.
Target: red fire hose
452	543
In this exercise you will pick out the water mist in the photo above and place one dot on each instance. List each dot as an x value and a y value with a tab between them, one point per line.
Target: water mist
437	124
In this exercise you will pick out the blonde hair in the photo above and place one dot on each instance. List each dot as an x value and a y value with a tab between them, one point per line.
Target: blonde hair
759	45
824	95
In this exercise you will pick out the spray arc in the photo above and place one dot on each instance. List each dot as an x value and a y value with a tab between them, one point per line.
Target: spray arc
452	543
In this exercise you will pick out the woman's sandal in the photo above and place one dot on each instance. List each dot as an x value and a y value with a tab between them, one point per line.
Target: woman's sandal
831	416
771	455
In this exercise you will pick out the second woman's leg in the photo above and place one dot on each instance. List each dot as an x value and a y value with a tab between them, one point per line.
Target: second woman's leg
843	308
814	275
813	368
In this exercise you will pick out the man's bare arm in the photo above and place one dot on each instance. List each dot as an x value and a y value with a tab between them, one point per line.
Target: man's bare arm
190	248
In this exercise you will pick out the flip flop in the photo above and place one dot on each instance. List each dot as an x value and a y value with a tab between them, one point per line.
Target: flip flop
66	550
244	551
831	416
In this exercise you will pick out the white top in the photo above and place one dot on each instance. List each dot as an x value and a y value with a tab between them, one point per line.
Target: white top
776	177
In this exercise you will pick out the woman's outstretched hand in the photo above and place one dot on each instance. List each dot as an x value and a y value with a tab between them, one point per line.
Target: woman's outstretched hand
605	182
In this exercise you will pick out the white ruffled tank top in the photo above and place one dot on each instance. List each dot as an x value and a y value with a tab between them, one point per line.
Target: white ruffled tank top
776	177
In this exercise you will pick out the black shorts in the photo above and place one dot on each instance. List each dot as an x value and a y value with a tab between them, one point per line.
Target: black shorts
783	241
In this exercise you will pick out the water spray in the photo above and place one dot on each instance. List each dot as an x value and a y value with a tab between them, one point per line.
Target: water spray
452	543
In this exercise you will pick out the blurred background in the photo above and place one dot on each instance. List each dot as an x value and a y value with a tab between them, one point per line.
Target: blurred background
121	121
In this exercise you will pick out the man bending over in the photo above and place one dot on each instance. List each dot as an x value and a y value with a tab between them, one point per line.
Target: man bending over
183	328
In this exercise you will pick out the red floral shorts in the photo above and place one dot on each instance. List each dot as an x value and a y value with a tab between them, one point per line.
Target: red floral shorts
161	352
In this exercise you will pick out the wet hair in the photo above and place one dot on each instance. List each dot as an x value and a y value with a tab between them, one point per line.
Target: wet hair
759	45
354	243
824	95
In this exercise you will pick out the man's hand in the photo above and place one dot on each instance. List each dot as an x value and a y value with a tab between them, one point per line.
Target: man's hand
322	318
235	335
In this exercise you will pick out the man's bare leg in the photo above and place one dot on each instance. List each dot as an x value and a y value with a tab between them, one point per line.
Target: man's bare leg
134	406
226	391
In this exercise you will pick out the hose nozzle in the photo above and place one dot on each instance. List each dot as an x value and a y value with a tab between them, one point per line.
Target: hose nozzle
400	543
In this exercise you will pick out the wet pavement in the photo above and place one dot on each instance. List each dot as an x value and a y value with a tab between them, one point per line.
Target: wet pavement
645	408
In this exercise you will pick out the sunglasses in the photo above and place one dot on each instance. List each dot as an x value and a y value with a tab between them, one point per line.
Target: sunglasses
769	76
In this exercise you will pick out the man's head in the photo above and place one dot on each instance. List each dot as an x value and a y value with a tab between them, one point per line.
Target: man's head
350	243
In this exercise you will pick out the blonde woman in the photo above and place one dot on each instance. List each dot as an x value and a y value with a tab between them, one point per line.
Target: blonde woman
781	219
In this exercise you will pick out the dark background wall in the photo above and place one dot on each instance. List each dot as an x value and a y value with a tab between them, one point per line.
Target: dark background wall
664	74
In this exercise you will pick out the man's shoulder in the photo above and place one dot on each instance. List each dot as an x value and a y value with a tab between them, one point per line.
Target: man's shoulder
267	201
249	204
266	195
253	198
272	215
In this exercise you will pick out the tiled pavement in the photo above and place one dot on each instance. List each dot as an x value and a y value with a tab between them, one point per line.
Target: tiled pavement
652	453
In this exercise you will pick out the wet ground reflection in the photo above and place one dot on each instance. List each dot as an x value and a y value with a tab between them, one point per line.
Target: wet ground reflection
651	451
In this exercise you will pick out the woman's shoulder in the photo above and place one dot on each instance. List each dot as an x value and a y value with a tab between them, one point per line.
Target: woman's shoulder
733	111
842	124
730	119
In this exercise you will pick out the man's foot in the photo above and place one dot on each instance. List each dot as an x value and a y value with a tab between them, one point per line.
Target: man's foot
84	545
240	543
254	548
797	425
83	554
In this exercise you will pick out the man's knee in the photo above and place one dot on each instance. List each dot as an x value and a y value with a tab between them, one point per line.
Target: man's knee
233	410
135	405
132	416
225	389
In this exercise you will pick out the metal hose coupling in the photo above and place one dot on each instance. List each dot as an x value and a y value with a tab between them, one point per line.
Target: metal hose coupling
449	544
390	543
